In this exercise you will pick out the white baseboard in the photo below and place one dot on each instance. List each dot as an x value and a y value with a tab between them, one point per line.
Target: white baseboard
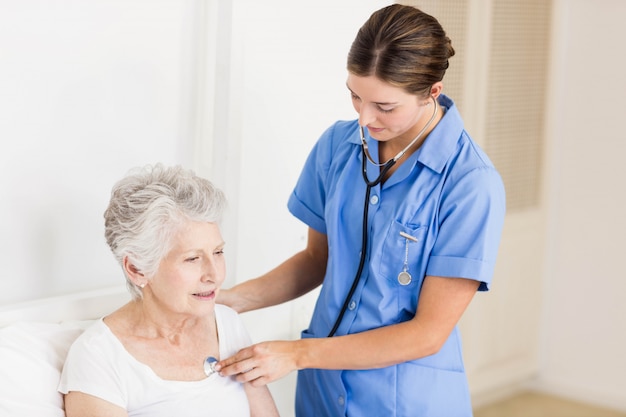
607	398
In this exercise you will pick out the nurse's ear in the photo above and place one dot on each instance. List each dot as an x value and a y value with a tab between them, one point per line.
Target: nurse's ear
436	90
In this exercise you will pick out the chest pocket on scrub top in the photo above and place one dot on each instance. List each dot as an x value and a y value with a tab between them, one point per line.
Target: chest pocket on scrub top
402	253
395	261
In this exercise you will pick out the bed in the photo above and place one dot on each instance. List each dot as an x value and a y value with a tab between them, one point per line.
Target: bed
34	339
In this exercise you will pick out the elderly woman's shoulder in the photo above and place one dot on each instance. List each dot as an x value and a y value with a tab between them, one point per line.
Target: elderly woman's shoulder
225	312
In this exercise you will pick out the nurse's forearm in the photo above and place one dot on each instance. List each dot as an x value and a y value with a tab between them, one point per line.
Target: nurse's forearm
442	303
297	276
265	362
372	349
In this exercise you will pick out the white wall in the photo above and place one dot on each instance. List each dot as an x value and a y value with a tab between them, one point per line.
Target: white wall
584	327
87	91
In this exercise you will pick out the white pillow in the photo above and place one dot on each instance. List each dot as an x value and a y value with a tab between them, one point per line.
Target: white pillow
31	359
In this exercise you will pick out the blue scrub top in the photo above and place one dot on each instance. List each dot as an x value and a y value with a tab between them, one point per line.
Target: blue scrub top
451	199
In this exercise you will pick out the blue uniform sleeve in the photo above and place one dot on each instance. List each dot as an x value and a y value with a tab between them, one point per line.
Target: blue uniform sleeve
471	220
308	200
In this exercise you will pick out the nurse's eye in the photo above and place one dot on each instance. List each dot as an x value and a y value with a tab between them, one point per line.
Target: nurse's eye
385	110
355	97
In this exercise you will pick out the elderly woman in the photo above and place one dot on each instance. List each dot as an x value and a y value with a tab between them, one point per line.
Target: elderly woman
152	357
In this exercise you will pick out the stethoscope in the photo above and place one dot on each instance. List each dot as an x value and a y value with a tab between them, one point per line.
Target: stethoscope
404	278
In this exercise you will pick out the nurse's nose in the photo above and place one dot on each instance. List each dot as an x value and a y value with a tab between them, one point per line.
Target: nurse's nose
366	115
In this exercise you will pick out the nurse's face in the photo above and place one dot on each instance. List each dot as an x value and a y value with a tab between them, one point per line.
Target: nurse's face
387	111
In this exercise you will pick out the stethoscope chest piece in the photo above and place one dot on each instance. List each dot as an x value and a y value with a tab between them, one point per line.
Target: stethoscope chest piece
209	365
404	278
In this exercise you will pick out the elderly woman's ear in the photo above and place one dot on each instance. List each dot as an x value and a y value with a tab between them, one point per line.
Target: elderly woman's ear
133	273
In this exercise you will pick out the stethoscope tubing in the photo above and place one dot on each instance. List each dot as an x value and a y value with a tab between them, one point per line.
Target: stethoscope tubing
370	184
357	277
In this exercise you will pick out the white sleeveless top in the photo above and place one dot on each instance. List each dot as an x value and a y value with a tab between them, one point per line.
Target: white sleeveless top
98	364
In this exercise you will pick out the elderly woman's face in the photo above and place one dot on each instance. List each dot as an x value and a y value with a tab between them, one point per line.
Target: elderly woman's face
191	274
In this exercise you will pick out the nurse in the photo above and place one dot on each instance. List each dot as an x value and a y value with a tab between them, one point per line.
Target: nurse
383	339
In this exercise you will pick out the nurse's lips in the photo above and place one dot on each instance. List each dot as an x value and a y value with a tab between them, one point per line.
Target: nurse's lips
375	129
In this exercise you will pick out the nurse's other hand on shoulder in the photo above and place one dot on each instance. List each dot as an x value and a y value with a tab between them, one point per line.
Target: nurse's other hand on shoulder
262	363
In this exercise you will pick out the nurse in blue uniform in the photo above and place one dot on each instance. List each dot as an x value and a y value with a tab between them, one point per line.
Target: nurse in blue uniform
405	213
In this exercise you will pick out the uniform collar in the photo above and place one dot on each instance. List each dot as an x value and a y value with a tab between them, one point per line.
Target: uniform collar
442	140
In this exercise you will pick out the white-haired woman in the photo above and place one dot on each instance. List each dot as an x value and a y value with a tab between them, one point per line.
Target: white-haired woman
150	357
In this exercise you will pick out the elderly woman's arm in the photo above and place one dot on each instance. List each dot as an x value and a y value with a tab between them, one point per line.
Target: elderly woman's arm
78	404
261	401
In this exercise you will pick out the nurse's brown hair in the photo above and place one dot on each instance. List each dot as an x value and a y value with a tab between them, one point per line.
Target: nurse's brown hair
403	46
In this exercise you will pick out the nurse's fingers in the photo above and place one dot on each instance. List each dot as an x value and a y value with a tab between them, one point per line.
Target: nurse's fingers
261	363
255	376
236	364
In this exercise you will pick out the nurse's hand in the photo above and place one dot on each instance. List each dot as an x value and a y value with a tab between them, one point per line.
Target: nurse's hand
262	363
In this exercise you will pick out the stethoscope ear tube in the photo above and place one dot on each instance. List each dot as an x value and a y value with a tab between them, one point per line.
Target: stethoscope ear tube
386	167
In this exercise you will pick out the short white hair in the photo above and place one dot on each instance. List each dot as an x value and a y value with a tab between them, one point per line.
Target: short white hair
146	208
